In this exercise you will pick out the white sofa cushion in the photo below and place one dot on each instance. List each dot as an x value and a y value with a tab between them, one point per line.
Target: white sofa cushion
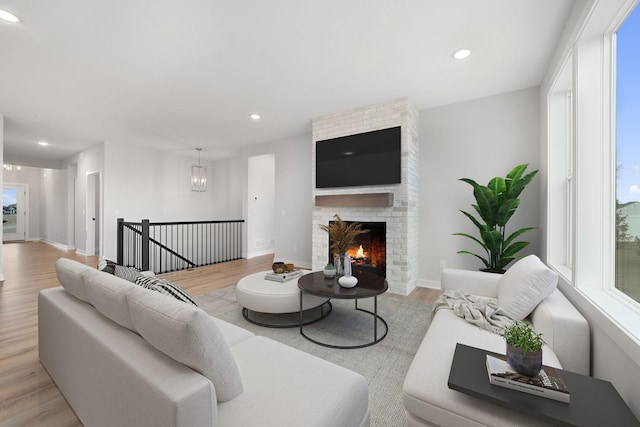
524	285
287	387
186	334
108	294
69	274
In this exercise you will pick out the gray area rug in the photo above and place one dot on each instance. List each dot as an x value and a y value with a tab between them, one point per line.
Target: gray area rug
384	365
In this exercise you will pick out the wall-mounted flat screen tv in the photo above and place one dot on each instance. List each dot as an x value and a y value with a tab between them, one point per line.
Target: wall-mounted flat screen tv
371	158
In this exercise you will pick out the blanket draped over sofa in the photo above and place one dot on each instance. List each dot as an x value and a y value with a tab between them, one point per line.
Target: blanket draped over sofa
482	312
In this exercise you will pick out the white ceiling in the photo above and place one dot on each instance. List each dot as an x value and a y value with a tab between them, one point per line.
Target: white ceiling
177	75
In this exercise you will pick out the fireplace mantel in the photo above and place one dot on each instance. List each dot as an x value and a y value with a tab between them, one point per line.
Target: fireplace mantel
361	200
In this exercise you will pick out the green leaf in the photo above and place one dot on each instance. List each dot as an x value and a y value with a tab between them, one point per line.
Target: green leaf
492	240
484	261
474	220
516	172
506	211
514	249
470	182
519	185
497	185
487	204
474	239
515	234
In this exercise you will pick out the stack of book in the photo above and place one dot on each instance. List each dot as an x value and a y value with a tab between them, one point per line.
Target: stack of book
283	277
546	384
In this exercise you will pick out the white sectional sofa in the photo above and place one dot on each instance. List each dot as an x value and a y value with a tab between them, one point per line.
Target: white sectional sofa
123	355
428	400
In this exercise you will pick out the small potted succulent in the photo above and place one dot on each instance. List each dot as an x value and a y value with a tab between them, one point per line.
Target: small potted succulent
524	348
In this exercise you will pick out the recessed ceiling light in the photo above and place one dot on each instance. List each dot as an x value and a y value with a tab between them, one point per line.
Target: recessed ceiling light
5	15
255	116
462	53
43	143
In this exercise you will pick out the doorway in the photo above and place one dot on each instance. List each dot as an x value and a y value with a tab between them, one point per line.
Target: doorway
14	212
94	220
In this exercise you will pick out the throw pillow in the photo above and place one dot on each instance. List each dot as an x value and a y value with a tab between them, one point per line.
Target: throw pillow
107	266
524	285
188	335
164	287
126	273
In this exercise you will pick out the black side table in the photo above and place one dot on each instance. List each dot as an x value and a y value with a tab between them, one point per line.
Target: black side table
594	402
369	285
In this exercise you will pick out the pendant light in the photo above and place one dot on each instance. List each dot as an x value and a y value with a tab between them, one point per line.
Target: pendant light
198	176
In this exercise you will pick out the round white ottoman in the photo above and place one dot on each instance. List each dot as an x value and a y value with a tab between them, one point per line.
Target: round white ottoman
255	293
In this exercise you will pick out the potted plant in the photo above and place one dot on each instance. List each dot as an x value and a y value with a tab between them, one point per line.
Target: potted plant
495	204
524	348
342	236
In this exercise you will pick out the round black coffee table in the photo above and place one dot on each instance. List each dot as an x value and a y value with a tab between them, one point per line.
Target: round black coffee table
369	285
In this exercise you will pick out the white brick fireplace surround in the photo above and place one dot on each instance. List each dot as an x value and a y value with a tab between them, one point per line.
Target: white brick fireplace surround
402	216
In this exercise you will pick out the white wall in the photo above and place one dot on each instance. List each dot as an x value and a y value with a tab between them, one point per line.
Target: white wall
261	174
225	184
293	199
31	177
478	139
55	207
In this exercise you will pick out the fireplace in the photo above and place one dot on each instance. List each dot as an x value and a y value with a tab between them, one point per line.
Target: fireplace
369	252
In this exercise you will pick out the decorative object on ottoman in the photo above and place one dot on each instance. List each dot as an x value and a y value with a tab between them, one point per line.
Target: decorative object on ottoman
496	204
288	266
342	236
329	270
524	348
348	281
278	267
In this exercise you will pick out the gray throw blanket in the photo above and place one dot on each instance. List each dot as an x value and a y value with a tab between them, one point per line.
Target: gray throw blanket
485	314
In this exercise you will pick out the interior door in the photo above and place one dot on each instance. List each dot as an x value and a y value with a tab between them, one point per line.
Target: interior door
13	213
93	214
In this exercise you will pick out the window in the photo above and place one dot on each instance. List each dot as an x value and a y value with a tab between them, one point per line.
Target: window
561	181
627	143
593	167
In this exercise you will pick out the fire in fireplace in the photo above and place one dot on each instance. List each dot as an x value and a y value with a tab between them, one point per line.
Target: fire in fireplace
369	252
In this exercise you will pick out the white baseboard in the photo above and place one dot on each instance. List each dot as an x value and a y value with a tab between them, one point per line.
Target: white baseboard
59	245
431	284
254	254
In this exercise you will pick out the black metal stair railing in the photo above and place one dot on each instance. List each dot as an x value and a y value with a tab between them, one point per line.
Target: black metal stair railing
170	246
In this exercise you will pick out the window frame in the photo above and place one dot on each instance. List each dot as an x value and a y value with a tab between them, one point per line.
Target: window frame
590	274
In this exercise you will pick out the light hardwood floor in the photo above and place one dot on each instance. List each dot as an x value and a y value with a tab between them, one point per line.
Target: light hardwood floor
28	397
